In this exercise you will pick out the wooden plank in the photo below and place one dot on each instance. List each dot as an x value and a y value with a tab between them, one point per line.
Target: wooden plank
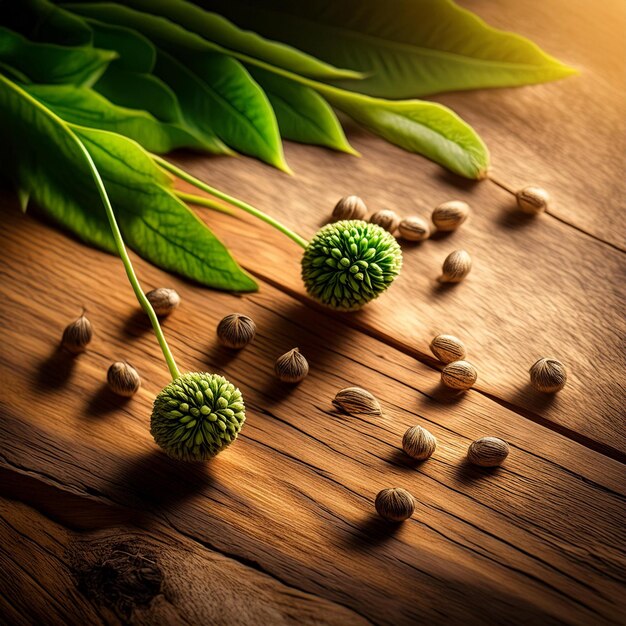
535	288
541	538
568	136
124	574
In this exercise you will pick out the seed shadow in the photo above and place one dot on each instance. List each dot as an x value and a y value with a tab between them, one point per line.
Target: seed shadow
441	235
439	287
291	326
154	481
512	218
441	394
466	473
278	391
371	531
328	219
137	324
400	459
104	401
529	395
56	370
407	245
219	356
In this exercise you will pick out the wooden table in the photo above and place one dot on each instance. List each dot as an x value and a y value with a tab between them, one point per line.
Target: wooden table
98	526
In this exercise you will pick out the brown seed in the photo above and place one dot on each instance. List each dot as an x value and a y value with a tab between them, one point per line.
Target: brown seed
459	375
488	451
548	375
357	401
395	504
419	443
414	228
450	215
386	219
163	300
291	367
447	348
236	330
349	208
123	379
77	335
532	199
456	267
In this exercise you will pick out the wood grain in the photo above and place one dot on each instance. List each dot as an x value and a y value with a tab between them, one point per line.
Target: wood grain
542	537
119	574
538	287
534	290
281	529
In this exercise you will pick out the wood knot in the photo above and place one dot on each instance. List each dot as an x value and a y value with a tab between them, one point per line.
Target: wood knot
119	575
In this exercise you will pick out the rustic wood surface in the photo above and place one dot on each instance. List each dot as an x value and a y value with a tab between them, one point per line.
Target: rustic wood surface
98	526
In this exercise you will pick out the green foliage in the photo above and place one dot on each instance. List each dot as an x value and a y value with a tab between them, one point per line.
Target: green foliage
407	48
233	106
43	160
215	28
52	63
303	115
163	74
85	107
418	126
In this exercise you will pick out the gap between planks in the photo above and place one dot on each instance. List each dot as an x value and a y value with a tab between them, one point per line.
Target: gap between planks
391	342
508	188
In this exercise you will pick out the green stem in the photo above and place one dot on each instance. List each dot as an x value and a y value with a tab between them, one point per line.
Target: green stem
130	272
209	203
117	235
222	196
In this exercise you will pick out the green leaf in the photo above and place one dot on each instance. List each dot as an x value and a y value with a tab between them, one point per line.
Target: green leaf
41	20
52	63
23	197
422	127
127	83
42	157
418	126
219	30
154	222
147	92
302	114
217	87
85	107
135	53
409	48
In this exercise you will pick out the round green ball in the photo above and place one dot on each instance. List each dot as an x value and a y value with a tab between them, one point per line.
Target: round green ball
196	416
349	263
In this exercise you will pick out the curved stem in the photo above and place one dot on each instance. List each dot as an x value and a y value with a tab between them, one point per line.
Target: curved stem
208	203
117	235
192	180
130	272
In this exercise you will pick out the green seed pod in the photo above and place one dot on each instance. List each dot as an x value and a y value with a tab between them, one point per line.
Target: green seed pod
349	263
196	416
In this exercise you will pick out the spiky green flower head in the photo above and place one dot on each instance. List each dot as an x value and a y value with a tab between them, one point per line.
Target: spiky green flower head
349	263
196	416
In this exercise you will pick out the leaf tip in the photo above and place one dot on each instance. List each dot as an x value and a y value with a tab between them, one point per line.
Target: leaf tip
284	167
348	149
23	197
249	285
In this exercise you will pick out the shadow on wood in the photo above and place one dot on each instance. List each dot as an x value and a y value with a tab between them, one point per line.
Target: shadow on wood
56	371
104	401
156	481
